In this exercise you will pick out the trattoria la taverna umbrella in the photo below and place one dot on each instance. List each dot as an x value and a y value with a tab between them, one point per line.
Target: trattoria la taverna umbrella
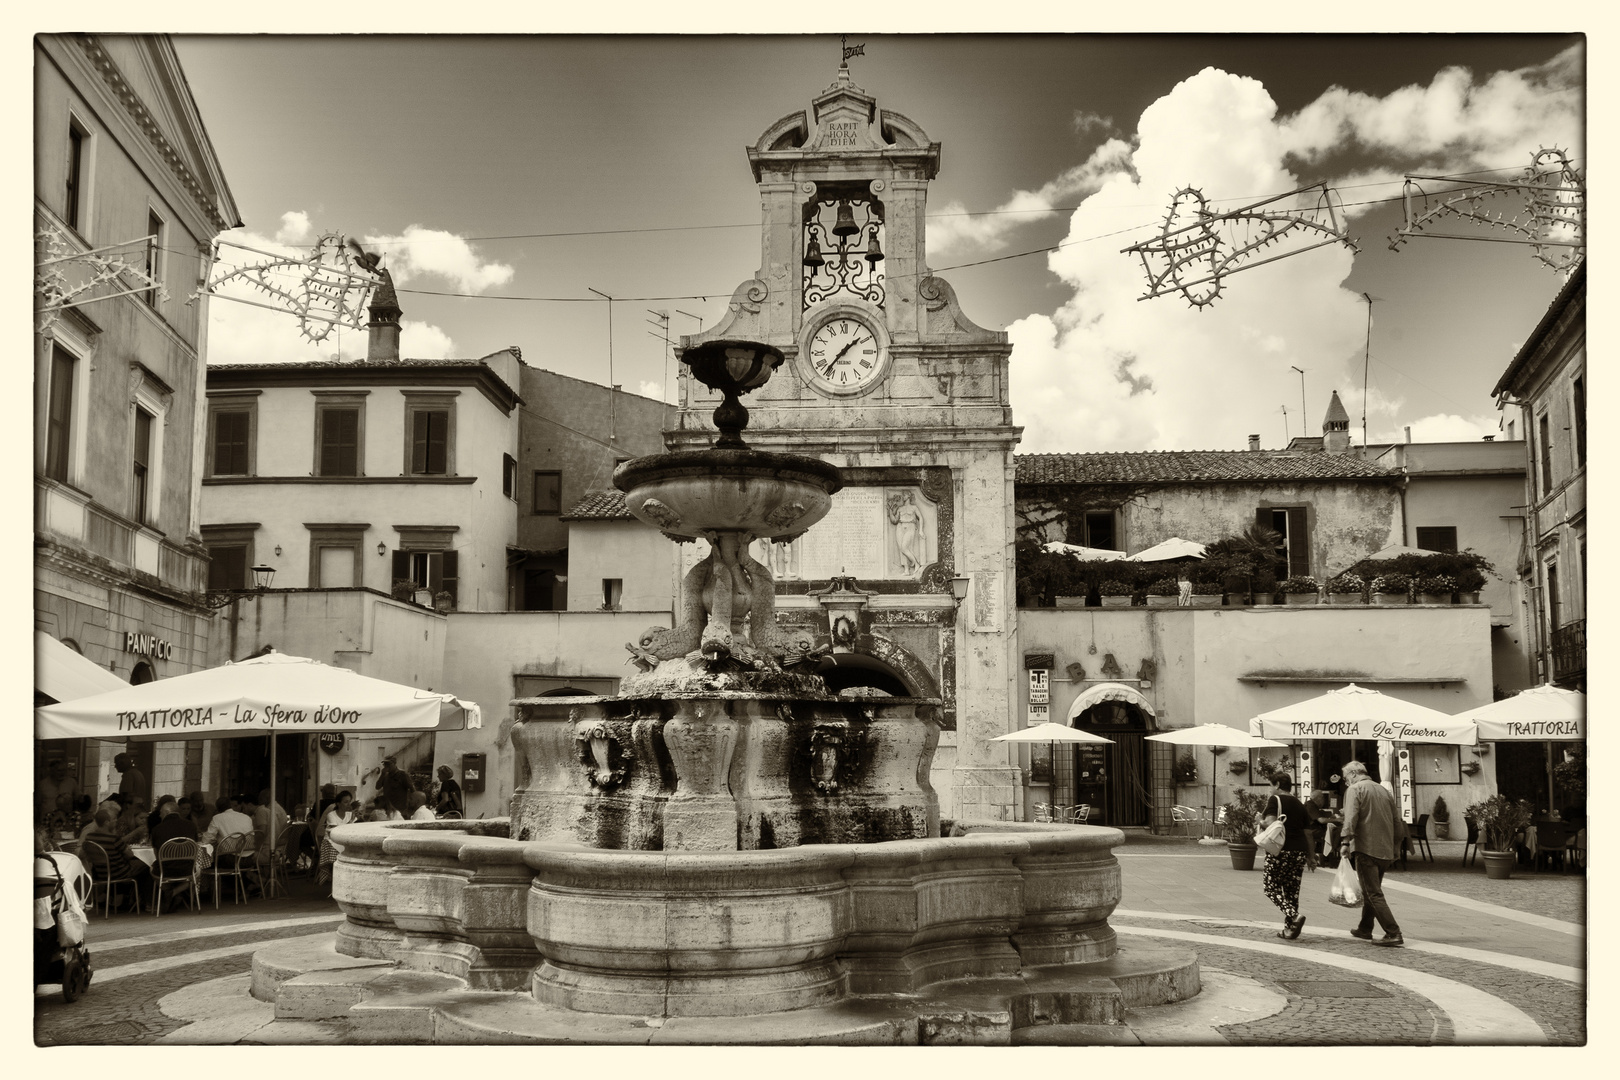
1355	712
1539	714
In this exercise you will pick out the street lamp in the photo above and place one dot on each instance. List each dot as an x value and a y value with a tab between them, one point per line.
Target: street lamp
262	576
959	588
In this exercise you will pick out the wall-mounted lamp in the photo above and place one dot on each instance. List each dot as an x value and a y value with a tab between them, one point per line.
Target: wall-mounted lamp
382	548
959	588
278	549
262	576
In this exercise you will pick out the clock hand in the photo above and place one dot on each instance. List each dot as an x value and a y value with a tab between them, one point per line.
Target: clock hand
852	343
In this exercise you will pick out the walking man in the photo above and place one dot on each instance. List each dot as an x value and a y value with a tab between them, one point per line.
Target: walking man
1368	841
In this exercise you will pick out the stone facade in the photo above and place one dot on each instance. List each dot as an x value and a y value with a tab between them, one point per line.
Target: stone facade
885	377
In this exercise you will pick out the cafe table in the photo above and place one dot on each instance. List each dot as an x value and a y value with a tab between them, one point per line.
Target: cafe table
148	855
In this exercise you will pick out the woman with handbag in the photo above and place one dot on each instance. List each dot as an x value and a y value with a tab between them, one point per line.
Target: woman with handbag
1286	865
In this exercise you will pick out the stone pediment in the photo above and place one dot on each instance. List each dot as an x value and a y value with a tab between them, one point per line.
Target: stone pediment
844	115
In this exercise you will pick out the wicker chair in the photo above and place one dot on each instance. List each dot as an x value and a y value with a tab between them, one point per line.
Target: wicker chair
180	854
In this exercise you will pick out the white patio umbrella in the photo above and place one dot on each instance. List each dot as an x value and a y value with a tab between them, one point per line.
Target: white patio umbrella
1058	547
1173	548
1540	714
62	674
1211	735
1355	712
269	694
1051	732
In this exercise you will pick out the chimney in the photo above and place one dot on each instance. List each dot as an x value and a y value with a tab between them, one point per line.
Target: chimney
384	325
1408	432
1336	427
1254	442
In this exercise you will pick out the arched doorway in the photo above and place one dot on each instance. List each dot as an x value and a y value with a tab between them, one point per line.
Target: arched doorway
142	674
1113	780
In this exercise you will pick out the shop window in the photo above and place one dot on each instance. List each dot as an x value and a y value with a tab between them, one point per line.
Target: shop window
59	416
1437	537
548	493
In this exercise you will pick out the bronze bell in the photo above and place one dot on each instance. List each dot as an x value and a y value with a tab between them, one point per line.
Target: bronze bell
846	221
874	253
812	254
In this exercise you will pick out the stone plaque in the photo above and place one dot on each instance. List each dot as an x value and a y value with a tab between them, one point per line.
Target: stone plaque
870	534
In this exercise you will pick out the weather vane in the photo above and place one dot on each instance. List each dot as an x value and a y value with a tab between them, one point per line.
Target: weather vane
1197	247
1550	215
326	288
850	50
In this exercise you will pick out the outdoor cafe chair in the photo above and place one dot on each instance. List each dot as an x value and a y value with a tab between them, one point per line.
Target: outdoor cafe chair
1076	815
178	853
1551	840
228	864
1185	816
1472	841
1420	837
94	858
1043	812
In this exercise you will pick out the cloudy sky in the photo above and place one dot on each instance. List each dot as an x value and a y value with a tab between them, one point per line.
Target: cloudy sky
523	172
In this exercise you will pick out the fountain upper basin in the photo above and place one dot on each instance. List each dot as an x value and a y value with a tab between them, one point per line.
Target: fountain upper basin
698	492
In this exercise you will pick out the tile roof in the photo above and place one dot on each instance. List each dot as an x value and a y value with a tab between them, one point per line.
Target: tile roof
330	365
1193	466
600	506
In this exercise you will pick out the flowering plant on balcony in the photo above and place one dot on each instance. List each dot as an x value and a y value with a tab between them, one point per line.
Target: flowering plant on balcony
1300	585
1435	584
1113	588
1165	586
1347	583
1392	583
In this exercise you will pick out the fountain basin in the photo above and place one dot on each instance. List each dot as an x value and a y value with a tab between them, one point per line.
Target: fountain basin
696	492
726	933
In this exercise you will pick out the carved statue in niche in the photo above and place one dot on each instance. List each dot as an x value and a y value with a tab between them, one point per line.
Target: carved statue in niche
910	532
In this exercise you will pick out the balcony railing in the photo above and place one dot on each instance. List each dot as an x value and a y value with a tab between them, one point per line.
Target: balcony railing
1569	649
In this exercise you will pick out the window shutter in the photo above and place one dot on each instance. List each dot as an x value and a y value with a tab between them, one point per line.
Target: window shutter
340	442
1299	543
438	423
59	422
447	579
419	441
227	568
230	443
402	566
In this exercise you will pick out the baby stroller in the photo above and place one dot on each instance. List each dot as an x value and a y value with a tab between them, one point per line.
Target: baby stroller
61	888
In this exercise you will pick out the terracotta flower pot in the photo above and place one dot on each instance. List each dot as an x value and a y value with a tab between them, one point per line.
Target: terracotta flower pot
1200	600
1300	599
1161	601
1390	599
1498	864
1242	855
1116	601
1262	599
1434	598
1442	830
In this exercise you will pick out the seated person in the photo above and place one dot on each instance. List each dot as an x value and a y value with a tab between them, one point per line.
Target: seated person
120	862
133	820
449	798
172	825
226	822
419	808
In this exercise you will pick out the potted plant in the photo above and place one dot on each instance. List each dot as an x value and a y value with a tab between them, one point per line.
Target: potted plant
443	601
1441	816
1391	588
1242	818
1114	593
1500	820
1163	592
1469	582
1434	588
1300	590
1346	588
1185	769
1238	766
1206	594
403	589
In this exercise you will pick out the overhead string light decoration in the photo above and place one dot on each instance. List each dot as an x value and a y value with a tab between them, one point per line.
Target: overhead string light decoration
1548	209
64	275
326	288
1197	248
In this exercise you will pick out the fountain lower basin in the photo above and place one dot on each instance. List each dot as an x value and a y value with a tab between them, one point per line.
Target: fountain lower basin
737	933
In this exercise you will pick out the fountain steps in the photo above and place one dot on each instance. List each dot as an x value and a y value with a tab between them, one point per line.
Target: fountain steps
1075	1004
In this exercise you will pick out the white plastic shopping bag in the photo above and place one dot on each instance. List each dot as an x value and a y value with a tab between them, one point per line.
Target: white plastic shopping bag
1346	888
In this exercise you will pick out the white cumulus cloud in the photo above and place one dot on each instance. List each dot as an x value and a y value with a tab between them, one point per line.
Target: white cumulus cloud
648	388
295	228
422	252
1109	372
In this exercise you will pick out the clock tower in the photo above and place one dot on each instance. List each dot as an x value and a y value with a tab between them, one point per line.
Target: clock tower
885	377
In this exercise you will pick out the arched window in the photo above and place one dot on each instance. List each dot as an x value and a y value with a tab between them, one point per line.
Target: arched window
142	674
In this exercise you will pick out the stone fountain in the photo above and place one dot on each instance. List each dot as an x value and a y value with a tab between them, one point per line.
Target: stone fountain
724	838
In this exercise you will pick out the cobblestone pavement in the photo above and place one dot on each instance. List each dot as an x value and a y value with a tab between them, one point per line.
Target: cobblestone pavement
1501	945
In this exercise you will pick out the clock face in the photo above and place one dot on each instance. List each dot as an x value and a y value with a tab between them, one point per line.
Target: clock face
844	354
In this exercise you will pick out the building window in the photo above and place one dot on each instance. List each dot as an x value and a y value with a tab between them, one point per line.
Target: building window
509	476
154	254
430	433
1545	430
1579	408
1096	530
334	554
230	441
59	417
230	554
1437	537
340	442
1554	613
426	559
142	457
548	493
612	593
73	206
1291	523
